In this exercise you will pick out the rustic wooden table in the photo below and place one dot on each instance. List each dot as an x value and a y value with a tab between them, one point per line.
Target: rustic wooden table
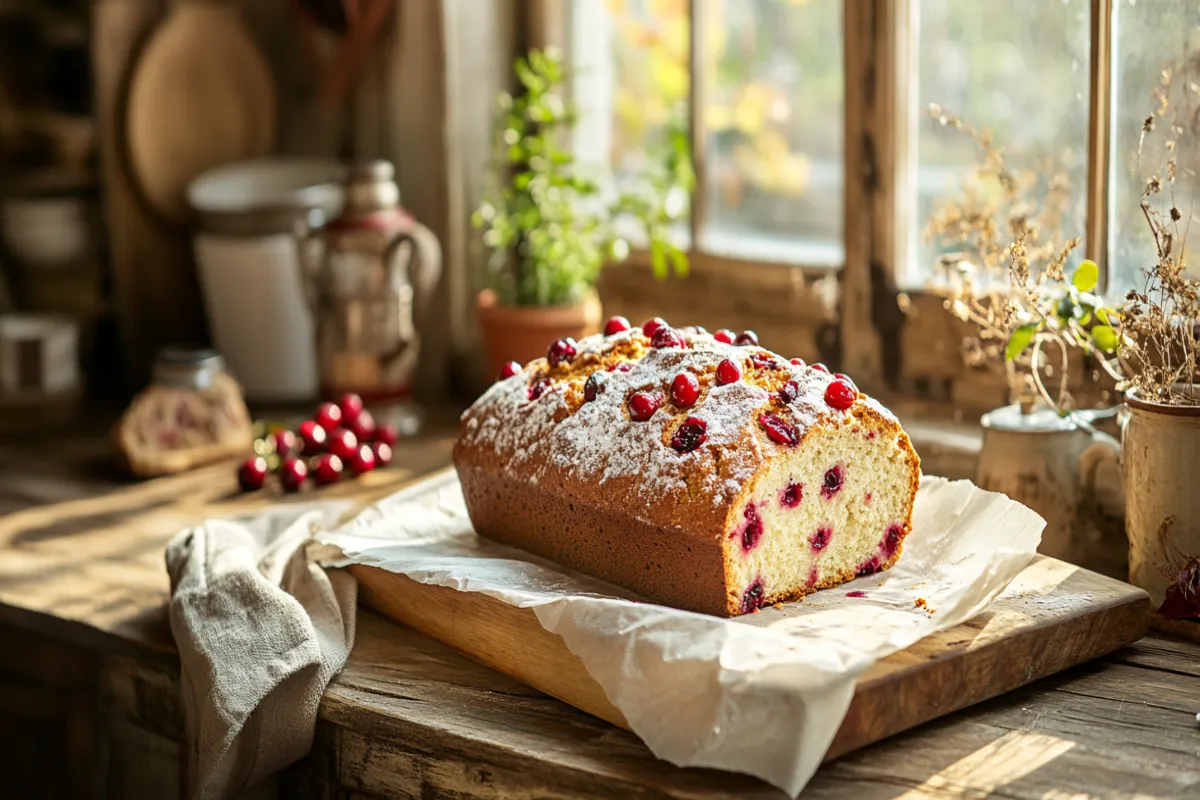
89	702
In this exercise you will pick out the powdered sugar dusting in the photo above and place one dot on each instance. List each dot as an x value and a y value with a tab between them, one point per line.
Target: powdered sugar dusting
599	444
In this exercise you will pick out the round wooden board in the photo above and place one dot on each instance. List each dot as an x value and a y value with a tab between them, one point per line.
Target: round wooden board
201	96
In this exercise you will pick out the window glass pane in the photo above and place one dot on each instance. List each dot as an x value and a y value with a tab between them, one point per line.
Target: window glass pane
773	122
630	83
1018	68
1156	69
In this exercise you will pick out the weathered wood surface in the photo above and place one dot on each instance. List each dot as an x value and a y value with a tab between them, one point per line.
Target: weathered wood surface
89	702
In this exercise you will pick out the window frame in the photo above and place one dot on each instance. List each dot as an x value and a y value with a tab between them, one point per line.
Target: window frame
879	124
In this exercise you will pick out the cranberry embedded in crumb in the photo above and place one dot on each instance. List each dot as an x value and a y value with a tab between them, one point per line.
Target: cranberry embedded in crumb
753	530
791	495
840	395
383	453
292	473
820	539
328	416
728	372
891	540
615	325
594	387
819	367
685	390
508	370
754	597
832	484
651	325
764	361
725	335
642	405
343	443
746	338
539	388
666	336
789	392
798	362
285	442
252	474
363	459
387	433
351	405
327	468
560	351
690	435
313	436
778	430
868	567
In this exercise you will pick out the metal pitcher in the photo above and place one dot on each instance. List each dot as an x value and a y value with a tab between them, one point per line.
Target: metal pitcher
368	276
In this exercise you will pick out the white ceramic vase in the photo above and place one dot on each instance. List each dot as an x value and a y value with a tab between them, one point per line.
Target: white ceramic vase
1161	463
1070	477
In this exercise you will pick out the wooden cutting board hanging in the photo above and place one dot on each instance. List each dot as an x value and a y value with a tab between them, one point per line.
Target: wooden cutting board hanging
201	95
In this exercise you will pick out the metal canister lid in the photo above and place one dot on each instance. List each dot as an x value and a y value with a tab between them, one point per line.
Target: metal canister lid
371	187
183	367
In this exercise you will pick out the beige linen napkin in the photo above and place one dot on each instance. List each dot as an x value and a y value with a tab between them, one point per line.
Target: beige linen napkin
261	630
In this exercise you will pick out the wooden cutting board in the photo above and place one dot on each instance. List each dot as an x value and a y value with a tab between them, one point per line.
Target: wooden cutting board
1052	617
201	96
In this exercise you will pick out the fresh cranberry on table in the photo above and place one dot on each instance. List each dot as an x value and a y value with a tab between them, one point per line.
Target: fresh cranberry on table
840	395
327	468
746	338
387	433
560	351
642	405
615	325
328	416
343	443
666	336
508	370
725	335
728	372
685	390
363	427
819	367
363	459
292	473
351	406
285	442
651	325
383	453
313	435
252	474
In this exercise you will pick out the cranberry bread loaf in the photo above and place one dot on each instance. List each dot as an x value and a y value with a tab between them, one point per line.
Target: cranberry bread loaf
701	473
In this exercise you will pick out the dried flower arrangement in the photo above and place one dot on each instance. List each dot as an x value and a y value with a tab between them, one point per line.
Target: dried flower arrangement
1008	278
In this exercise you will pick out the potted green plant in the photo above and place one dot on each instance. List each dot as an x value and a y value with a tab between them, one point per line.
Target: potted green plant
552	224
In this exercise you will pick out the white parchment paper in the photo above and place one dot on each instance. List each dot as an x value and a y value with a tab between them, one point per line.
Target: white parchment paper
762	694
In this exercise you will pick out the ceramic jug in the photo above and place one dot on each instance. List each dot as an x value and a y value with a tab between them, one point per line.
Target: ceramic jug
369	275
1067	475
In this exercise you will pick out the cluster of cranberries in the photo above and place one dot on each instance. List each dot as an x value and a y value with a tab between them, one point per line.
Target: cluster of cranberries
340	437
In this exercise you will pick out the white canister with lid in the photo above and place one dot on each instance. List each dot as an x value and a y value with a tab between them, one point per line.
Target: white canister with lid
249	268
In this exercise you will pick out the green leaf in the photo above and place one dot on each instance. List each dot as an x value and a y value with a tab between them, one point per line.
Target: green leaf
1086	275
658	259
679	260
1107	315
1105	338
1020	339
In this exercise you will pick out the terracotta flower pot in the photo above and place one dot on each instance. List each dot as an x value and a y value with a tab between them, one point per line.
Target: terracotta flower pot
1160	457
522	333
